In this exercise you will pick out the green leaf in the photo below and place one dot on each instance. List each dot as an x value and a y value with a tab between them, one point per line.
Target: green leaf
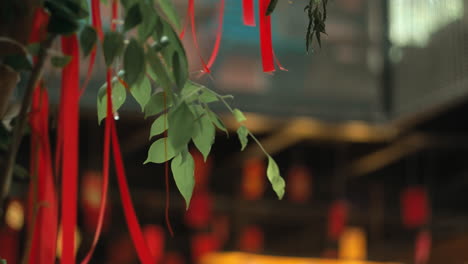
34	48
160	71
207	96
141	91
119	94
204	133
216	121
60	61
275	178
88	38
158	125
113	46
149	18
271	7
183	170
160	151
133	17
180	72
181	126
191	91
65	16
62	26
170	12
2	261
240	117
19	62
156	104
134	62
243	134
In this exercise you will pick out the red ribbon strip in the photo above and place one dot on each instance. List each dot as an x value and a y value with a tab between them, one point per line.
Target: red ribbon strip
219	33
70	122
266	45
248	16
191	14
42	246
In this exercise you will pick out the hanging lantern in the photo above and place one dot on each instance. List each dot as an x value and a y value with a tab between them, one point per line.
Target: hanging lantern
414	207
200	211
299	184
202	170
154	236
91	193
251	240
337	217
203	244
353	244
422	247
253	179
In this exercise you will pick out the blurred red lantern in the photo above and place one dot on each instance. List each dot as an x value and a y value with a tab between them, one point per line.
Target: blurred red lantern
91	193
253	179
200	211
422	247
202	170
337	217
221	228
414	207
154	236
10	243
251	240
121	251
203	244
299	184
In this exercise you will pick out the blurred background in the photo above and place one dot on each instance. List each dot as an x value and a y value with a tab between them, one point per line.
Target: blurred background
370	132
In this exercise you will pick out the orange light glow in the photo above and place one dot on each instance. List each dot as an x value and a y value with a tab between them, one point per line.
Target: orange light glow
14	217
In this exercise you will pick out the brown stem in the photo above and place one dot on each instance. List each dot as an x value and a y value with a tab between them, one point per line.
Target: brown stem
6	176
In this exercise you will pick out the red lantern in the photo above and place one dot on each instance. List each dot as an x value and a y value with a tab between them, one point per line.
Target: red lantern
204	244
154	236
337	217
91	193
253	180
173	258
251	240
422	247
299	184
200	211
414	207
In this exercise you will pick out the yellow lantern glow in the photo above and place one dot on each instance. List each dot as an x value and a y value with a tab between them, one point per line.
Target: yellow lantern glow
14	217
353	244
59	241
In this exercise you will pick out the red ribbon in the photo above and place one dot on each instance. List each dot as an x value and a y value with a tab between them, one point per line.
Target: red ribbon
70	120
219	33
42	246
248	16
266	45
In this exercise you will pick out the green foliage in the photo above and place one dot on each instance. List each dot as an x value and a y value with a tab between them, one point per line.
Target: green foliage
182	108
181	126
113	46
317	14
65	16
271	7
119	94
204	133
275	178
60	61
182	167
243	134
18	62
169	11
88	39
133	17
161	151
134	62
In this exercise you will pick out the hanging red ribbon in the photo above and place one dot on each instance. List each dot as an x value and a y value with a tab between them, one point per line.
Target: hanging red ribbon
248	16
70	120
266	45
45	226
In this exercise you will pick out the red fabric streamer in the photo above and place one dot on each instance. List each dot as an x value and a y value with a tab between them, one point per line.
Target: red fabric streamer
70	122
266	45
96	18
10	248
39	25
154	236
219	33
248	15
191	14
115	14
42	247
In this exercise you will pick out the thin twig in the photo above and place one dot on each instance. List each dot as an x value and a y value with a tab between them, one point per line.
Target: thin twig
6	176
